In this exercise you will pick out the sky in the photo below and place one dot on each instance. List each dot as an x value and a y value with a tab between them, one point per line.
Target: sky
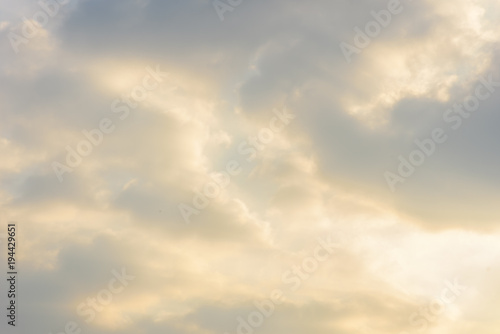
240	167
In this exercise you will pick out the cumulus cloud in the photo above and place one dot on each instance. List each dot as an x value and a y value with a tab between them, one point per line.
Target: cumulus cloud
221	86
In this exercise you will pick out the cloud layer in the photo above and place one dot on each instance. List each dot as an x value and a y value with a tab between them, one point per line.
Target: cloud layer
322	175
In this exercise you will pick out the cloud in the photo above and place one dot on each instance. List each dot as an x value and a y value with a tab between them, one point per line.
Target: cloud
323	175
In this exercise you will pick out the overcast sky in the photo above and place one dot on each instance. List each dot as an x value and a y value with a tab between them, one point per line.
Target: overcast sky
209	149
